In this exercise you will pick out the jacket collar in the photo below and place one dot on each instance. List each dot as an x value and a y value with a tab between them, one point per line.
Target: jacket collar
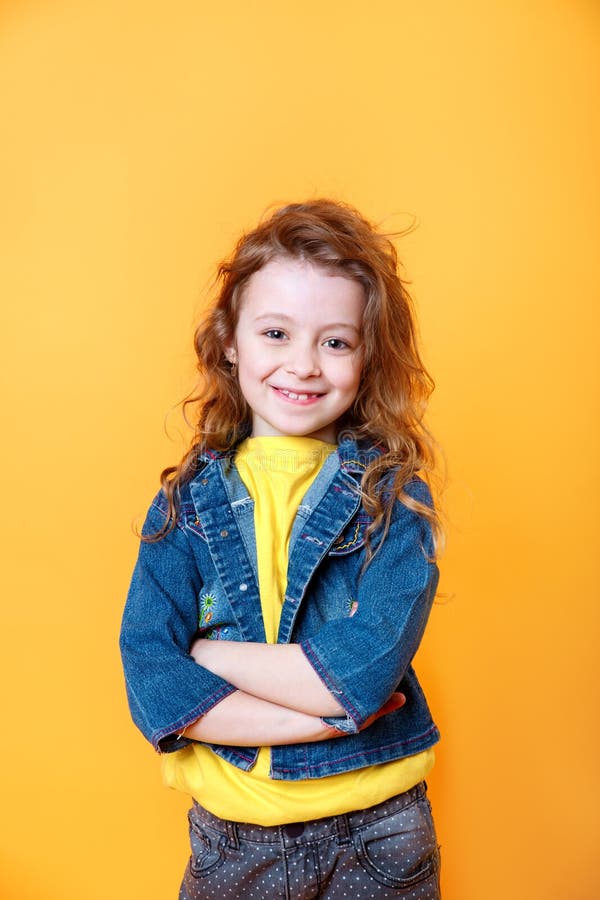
354	456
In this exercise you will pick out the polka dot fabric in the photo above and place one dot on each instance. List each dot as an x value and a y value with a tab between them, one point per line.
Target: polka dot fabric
389	850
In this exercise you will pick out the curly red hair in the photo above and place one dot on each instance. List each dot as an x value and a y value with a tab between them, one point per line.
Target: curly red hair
395	386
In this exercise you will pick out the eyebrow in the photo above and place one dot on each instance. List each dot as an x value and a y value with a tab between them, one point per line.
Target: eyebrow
282	317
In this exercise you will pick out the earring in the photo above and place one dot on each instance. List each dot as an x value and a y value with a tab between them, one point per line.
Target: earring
232	360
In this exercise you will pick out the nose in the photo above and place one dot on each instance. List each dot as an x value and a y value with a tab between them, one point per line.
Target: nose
302	361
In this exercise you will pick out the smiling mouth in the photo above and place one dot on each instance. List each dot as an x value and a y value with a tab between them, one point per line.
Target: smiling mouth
293	395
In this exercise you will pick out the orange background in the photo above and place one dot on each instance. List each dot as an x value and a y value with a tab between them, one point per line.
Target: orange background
138	140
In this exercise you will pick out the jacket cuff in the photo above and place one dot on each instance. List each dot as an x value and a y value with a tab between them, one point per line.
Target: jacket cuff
344	724
172	737
351	722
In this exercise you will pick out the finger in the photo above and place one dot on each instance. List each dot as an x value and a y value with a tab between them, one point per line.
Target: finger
396	701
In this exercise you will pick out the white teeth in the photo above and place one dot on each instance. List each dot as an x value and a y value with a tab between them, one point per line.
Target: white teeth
293	396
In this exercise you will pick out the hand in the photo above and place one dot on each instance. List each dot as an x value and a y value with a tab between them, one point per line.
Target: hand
195	648
395	702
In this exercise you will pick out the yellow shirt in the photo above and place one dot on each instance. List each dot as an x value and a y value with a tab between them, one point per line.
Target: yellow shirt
277	471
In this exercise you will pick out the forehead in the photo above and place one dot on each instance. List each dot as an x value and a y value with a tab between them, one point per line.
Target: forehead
301	290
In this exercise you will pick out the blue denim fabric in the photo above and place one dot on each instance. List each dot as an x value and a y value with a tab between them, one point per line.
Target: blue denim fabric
202	579
389	850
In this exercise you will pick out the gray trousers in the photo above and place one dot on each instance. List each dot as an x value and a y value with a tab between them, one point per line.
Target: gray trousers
388	850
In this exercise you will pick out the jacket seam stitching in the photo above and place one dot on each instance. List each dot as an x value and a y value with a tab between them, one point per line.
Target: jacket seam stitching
194	714
316	663
376	750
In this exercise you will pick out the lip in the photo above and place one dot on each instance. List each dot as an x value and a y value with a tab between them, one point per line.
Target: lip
297	397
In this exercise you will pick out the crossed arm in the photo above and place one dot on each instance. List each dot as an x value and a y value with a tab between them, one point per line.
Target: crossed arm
279	698
253	693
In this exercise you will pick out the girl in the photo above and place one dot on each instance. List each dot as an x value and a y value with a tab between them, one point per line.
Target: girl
286	573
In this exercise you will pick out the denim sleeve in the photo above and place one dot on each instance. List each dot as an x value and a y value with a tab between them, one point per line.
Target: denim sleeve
362	659
166	689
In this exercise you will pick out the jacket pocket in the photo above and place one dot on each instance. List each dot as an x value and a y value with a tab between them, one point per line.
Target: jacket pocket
352	537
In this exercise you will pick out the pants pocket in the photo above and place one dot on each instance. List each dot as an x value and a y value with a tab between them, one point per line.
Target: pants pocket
400	851
208	850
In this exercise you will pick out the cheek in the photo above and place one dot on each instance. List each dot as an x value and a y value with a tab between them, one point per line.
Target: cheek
349	377
252	368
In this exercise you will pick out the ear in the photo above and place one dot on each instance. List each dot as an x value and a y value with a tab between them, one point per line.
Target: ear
230	353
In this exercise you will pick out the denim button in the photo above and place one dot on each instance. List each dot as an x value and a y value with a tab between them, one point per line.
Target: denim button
204	481
243	586
224	533
294	829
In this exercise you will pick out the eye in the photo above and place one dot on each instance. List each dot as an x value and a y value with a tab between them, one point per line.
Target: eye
275	334
336	344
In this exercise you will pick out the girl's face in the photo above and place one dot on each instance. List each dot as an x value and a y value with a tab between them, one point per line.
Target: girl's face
298	346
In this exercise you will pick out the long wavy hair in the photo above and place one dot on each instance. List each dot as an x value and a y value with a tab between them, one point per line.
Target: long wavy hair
395	386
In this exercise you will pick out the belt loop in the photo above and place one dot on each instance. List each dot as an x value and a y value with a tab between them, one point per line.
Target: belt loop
232	835
343	830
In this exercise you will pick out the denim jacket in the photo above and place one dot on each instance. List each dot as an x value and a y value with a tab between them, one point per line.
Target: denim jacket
201	579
